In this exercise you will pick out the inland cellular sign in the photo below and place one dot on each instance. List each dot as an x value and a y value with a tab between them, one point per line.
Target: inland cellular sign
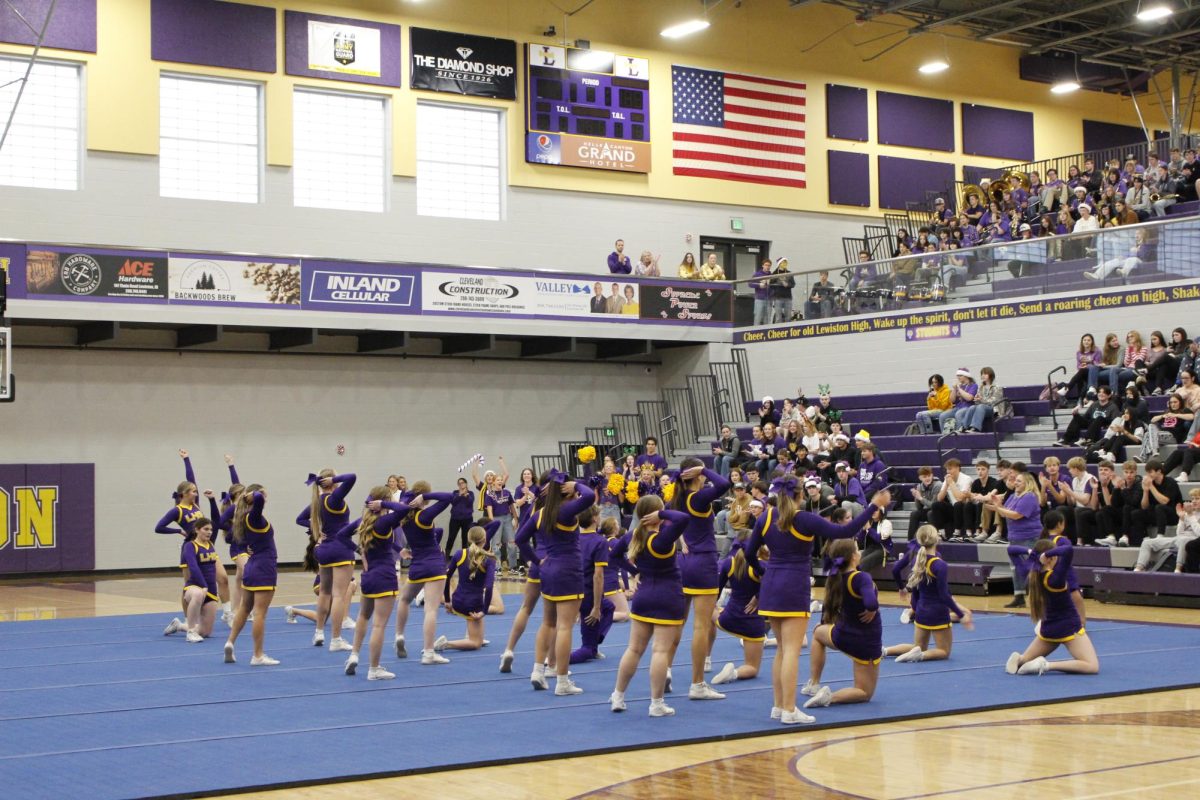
587	108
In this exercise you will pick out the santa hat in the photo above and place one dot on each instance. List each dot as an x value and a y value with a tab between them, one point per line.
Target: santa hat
862	436
962	372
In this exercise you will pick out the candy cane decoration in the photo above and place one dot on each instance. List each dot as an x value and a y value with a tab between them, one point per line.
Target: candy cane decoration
478	457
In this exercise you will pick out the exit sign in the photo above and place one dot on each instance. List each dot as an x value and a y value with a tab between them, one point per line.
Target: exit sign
610	432
736	225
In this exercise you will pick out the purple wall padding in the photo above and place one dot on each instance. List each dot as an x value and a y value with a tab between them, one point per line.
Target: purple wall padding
295	38
74	546
1103	135
849	179
997	132
215	34
846	113
908	121
903	180
976	174
73	26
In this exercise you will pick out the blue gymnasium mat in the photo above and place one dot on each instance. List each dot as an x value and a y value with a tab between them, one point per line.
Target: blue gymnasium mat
110	708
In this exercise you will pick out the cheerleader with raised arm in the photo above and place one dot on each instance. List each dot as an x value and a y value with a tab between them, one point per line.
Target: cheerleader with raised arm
426	570
251	529
325	515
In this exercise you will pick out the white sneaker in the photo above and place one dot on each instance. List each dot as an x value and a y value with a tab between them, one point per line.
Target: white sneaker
263	661
916	654
439	644
227	617
431	657
776	712
708	663
659	708
906	616
771	641
230	658
318	638
1037	666
419	600
979	538
538	679
1107	541
815	607
348	623
174	626
1013	664
351	663
809	688
616	701
565	686
379	674
339	645
702	691
486	642
995	538
796	717
1091	276
506	660
821	699
1123	541
728	674
194	637
401	650
291	615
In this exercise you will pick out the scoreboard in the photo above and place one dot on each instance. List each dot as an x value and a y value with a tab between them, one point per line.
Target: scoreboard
587	108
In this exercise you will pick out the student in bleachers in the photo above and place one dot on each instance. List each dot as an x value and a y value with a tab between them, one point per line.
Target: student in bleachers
1103	519
875	540
1169	427
924	494
989	402
688	270
1162	361
980	520
1186	531
962	398
872	472
1054	488
950	507
1090	418
1142	253
847	490
767	411
791	412
1126	430
725	451
1160	497
1183	458
1136	405
1087	356
937	401
1054	192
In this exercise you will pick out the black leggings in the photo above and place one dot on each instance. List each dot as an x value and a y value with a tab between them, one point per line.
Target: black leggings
1162	373
458	531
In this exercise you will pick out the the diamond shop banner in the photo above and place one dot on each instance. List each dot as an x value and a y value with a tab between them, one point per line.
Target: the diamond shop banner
47	517
94	273
480	66
686	301
218	279
343	48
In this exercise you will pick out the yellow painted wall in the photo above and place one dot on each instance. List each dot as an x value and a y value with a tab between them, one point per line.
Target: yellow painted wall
818	45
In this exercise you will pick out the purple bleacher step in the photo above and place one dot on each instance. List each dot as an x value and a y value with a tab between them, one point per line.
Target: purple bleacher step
1184	209
1121	580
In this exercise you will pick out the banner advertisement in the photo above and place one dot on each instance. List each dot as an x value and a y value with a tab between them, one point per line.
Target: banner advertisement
47	517
587	108
217	279
686	301
526	295
374	288
12	269
343	48
95	273
480	66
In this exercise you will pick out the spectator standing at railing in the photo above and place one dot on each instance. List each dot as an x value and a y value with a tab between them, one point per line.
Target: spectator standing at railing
762	293
647	266
1137	199
618	262
712	271
687	268
780	293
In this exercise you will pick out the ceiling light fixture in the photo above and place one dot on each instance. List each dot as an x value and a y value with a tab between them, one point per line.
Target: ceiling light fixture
1154	12
684	29
933	67
1065	87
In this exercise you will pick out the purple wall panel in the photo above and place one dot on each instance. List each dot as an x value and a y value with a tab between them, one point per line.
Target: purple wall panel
73	26
976	174
1102	135
908	121
849	179
295	37
216	34
904	180
997	132
846	113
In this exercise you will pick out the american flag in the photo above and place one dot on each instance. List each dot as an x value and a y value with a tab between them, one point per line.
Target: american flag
737	127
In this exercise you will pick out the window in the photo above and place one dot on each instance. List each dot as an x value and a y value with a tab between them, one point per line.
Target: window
210	139
341	150
459	161
43	146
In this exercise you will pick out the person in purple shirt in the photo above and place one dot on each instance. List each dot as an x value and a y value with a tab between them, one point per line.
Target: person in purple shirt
524	496
1022	510
848	490
962	396
872	472
498	505
618	262
462	510
652	457
1051	605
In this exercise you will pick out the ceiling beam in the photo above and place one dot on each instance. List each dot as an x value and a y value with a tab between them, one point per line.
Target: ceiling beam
1147	42
892	8
978	12
1057	43
1055	18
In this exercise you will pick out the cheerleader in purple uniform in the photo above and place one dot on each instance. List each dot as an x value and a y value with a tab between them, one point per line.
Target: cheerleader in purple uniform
740	616
616	580
850	623
1051	605
325	515
905	560
659	608
476	570
426	570
932	604
786	594
200	598
251	528
533	582
558	507
695	490
1054	526
380	585
596	610
462	508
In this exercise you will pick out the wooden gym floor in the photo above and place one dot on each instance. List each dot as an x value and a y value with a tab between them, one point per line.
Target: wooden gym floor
1146	746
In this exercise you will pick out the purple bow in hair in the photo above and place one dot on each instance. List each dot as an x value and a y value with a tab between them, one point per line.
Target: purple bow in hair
312	479
834	565
784	485
557	476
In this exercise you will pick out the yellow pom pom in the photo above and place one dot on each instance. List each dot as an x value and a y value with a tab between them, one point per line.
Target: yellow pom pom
586	455
616	484
631	491
668	492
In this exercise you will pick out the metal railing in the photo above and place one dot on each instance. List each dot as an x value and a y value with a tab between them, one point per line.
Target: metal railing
1053	399
669	434
742	359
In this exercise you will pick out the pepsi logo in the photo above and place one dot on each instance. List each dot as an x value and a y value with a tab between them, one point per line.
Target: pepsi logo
544	143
